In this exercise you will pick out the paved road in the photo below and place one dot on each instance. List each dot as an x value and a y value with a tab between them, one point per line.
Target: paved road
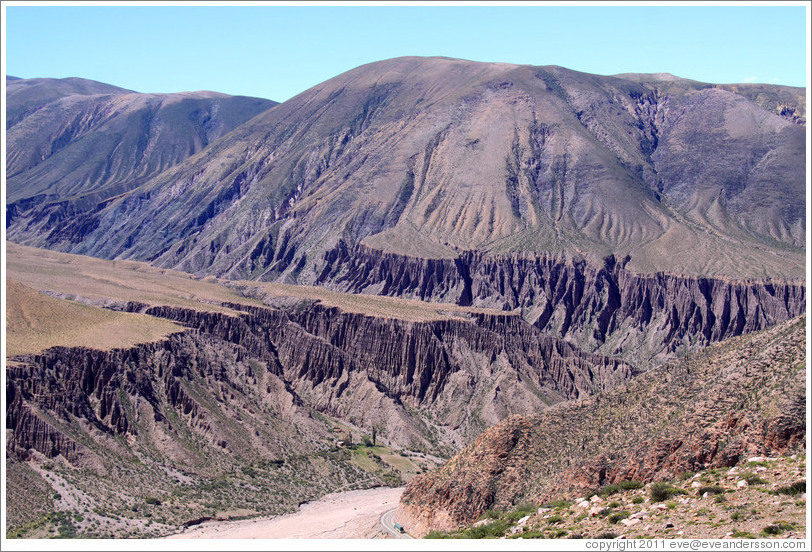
388	523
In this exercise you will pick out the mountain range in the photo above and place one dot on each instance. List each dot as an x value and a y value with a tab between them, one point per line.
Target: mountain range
426	157
488	259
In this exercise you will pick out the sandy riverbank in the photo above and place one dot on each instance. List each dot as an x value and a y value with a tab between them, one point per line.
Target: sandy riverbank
347	515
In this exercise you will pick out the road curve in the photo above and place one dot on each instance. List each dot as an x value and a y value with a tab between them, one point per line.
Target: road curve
388	523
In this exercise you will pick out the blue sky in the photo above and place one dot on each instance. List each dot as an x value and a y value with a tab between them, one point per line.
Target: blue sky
276	52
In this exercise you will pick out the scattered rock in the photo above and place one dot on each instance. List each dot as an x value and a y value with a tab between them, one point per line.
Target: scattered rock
742	484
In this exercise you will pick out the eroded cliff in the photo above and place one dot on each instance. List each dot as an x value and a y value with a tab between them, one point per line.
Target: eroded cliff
600	308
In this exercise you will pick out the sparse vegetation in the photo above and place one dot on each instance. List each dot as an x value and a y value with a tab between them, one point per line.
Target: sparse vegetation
661	491
729	510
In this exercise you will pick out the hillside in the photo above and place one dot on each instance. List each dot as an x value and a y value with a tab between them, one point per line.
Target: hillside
741	398
429	157
73	144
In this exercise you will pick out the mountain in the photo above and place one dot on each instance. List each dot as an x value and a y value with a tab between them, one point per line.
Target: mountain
428	157
73	144
743	398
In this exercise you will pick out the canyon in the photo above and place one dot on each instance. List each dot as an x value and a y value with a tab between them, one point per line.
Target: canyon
492	283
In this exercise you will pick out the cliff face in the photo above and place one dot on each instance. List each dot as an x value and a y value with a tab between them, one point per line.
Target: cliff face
607	309
741	398
70	400
429	385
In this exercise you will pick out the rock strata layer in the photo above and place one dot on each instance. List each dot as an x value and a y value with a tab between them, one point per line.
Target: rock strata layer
607	309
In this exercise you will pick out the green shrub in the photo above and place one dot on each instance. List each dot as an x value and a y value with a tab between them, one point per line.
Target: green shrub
552	520
608	490
630	485
663	491
492	514
753	479
794	489
557	504
778	528
742	535
637	500
523	509
710	489
613	504
614	518
492	530
152	500
607	535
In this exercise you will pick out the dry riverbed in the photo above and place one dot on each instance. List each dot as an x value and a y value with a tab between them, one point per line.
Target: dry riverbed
347	515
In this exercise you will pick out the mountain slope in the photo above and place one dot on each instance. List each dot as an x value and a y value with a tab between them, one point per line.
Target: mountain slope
73	144
430	156
740	398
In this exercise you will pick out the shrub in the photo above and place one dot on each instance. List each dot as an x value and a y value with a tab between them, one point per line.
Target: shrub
521	510
614	518
558	504
637	500
613	504
663	491
778	528
607	535
492	514
554	519
753	479
630	485
152	500
608	490
494	529
742	535
794	489
710	489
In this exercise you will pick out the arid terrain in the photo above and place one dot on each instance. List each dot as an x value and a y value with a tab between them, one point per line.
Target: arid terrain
502	300
348	515
759	498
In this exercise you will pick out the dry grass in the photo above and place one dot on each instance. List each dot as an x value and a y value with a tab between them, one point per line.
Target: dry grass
97	279
101	280
35	322
411	310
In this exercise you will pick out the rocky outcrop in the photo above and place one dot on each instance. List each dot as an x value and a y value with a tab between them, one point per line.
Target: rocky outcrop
741	398
607	309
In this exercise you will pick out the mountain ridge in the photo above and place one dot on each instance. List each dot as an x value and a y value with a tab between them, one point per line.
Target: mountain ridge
416	156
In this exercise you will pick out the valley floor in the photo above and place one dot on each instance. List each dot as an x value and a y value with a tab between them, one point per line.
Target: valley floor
347	515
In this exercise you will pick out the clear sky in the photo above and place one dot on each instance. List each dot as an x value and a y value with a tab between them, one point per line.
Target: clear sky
276	52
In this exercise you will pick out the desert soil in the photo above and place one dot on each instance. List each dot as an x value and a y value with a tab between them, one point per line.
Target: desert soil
347	515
